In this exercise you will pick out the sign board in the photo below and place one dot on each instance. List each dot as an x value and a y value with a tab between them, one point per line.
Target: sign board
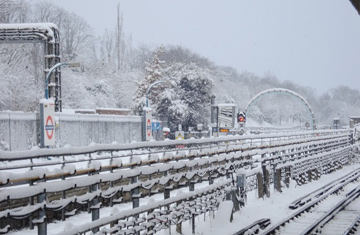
226	116
47	122
148	124
179	135
156	126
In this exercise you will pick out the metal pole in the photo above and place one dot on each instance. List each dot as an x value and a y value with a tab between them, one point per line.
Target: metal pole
74	64
148	91
47	78
42	228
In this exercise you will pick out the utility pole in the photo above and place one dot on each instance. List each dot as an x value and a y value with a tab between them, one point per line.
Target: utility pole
118	36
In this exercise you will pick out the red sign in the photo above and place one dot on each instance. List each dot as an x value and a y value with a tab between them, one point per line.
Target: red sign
49	127
148	127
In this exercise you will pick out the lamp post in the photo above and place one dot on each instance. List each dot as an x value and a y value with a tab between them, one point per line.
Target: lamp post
151	86
69	64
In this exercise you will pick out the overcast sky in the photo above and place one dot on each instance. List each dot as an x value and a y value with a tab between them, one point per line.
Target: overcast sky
312	43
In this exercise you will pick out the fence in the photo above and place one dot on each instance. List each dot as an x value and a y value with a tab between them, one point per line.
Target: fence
54	184
20	131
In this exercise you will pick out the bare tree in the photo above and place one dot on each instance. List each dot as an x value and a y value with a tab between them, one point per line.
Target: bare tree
107	47
75	34
13	11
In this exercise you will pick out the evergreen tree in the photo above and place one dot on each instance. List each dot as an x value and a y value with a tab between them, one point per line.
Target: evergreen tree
187	101
153	73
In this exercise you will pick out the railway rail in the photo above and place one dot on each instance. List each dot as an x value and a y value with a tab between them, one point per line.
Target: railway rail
331	209
38	187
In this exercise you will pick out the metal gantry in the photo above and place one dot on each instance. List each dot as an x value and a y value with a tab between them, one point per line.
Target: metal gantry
48	34
286	92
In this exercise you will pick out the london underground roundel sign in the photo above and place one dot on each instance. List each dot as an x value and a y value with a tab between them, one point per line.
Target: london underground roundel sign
49	127
47	111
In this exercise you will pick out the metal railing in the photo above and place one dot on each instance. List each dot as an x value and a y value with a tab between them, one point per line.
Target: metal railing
40	186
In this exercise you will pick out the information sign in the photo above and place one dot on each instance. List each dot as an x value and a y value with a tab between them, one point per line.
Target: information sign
148	124
47	121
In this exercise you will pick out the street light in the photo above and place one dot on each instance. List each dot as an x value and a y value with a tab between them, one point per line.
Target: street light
148	90
69	64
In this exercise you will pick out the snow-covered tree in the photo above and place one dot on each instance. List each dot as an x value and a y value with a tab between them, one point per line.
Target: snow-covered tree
153	73
179	54
75	33
187	101
14	11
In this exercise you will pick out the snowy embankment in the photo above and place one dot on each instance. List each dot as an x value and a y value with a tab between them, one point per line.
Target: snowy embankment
233	154
276	207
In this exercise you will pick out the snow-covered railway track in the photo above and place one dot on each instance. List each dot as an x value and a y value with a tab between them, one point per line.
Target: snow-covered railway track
91	179
313	217
346	219
326	188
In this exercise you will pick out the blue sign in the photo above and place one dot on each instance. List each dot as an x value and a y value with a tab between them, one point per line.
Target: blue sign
156	126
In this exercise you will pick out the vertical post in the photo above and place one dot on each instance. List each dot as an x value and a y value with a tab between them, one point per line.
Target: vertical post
63	196
287	176
143	126
42	228
179	224
241	184
147	124
213	115
266	180
235	198
191	184
135	193
309	175
193	223
166	187
277	179
316	174
213	119
230	192
211	180
31	202
94	203
260	182
179	228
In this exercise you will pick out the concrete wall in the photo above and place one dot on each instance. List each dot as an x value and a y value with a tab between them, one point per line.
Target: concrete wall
20	131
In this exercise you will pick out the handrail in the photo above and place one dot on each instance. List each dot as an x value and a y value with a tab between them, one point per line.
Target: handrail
19	155
136	166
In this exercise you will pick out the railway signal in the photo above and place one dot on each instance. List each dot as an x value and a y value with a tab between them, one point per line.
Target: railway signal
241	118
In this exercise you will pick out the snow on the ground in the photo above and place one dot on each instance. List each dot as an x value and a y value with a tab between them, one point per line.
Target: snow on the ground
276	208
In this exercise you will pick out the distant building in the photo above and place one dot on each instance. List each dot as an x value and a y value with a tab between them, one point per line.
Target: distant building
354	120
